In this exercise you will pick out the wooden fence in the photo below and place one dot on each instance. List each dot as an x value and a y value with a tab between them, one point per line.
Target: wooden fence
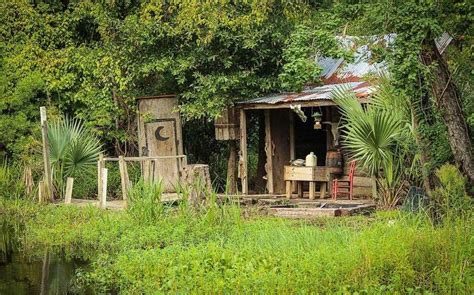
147	164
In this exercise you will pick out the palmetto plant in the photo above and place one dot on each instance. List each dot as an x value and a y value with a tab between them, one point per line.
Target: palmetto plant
370	134
375	136
73	149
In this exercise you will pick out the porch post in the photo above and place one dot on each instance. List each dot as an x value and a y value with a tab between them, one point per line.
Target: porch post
292	147
268	152
243	152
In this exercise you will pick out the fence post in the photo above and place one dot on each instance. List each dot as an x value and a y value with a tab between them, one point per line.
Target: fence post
100	166
124	177
41	191
103	200
69	185
48	189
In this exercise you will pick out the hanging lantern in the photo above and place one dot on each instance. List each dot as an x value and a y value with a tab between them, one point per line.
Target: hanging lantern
317	120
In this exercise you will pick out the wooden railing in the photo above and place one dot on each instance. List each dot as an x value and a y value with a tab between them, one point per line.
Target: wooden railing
148	164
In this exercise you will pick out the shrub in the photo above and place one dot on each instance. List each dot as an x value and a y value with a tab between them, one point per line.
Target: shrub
450	198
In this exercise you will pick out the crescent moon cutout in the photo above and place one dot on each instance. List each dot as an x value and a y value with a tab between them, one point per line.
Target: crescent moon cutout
158	134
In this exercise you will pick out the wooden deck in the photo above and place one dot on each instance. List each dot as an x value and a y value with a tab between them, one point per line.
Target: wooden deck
278	205
120	204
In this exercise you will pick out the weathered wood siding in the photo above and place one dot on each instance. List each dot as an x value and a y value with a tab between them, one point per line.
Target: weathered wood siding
160	134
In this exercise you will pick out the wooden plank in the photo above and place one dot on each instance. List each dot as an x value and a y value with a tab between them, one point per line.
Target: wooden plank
292	135
292	142
268	152
227	125
124	177
146	170
69	185
41	191
263	106
138	159
288	189
160	134
304	212
48	185
312	189
243	152
306	173
100	166
103	201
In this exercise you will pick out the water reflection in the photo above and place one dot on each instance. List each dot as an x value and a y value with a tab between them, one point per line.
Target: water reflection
21	274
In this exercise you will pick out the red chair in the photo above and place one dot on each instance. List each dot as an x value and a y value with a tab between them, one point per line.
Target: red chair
344	187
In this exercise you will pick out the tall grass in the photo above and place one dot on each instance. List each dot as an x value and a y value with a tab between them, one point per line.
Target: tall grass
11	185
145	201
216	251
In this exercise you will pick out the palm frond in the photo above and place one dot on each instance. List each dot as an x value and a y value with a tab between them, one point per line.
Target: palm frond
73	148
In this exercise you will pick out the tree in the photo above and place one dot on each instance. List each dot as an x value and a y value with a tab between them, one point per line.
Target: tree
421	72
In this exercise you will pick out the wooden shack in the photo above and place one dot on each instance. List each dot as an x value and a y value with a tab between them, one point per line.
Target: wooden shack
289	136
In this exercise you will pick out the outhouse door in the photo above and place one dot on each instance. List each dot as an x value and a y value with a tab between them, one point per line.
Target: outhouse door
159	134
161	138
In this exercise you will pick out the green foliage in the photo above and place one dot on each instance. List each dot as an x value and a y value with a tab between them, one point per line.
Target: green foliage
371	134
450	197
73	149
11	186
145	201
91	59
303	46
416	24
215	252
378	138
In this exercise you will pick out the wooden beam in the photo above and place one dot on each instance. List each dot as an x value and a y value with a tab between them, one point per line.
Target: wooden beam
292	144
139	159
103	201
124	177
286	105
46	161
146	171
243	152
269	151
69	185
41	191
100	166
292	135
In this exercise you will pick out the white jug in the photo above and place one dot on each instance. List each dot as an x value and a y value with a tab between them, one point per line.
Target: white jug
311	160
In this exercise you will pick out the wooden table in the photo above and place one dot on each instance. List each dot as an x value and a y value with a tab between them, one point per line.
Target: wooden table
311	174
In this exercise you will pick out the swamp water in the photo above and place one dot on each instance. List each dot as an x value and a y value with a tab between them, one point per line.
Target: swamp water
21	273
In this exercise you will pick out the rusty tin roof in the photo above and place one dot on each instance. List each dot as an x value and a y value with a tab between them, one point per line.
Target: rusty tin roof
362	89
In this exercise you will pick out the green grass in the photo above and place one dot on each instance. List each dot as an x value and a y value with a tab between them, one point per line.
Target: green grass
217	251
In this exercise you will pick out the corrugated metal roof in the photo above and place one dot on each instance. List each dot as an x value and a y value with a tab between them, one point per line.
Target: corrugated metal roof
361	89
339	73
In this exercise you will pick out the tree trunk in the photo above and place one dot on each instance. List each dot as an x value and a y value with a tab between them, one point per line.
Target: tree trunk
232	168
424	157
449	104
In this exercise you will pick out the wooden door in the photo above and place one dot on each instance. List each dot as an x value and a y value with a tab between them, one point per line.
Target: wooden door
161	139
159	134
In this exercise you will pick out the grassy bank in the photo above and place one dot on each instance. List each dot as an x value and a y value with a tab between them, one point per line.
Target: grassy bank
216	251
